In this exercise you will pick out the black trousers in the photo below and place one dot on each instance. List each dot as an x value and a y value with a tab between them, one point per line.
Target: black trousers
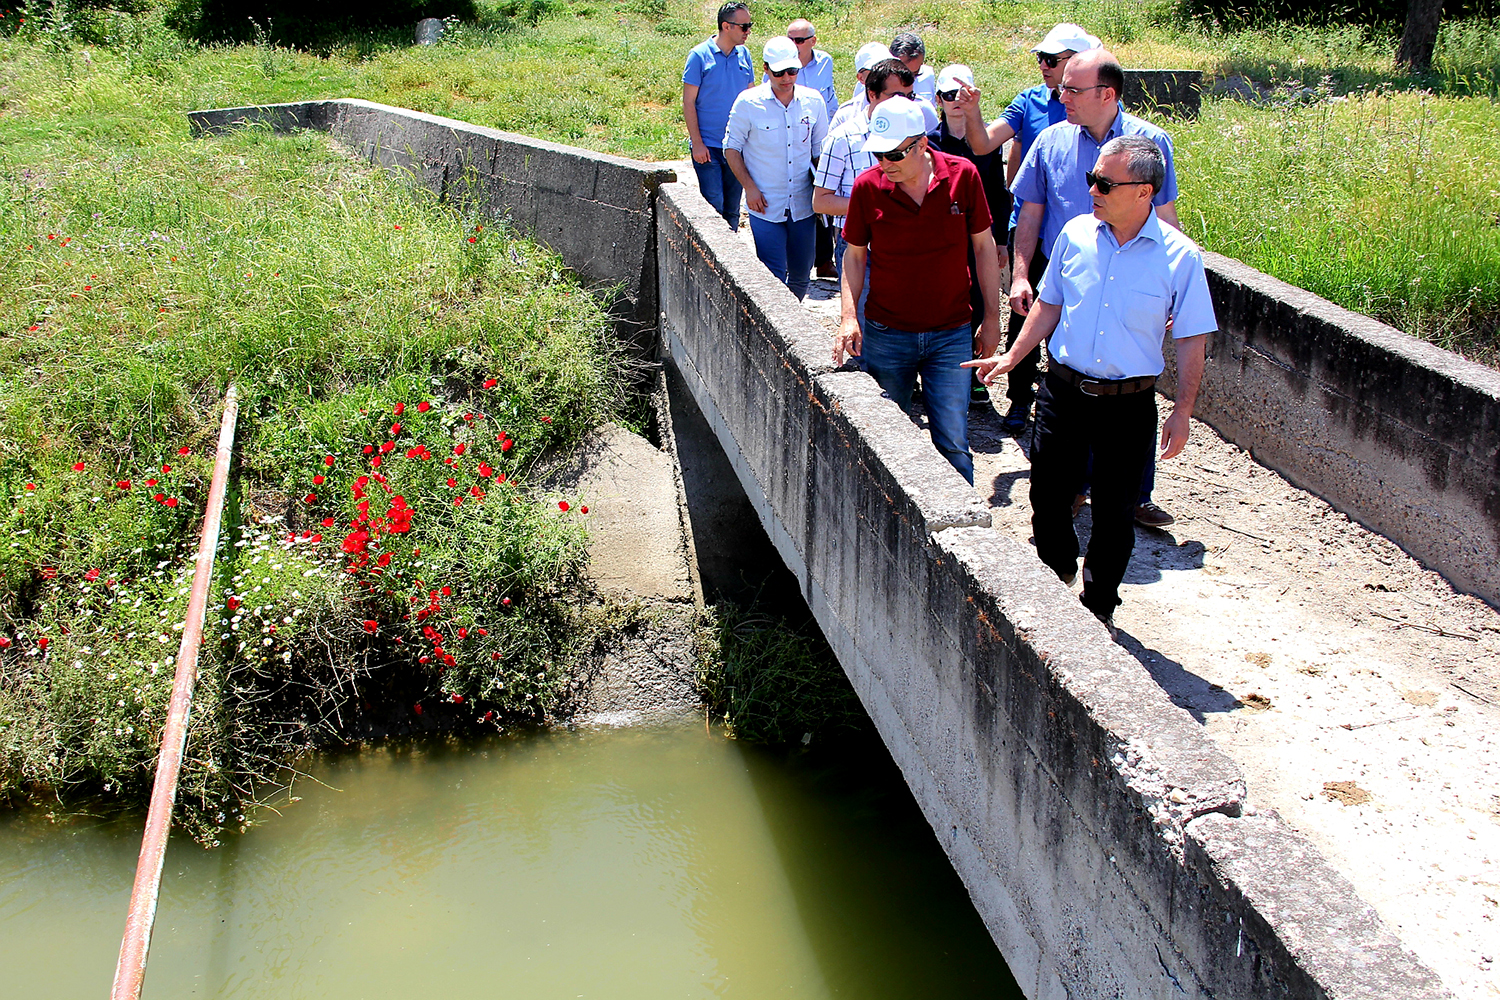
1070	424
1020	381
823	241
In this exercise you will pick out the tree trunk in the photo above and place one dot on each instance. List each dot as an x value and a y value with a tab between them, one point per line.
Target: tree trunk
1420	35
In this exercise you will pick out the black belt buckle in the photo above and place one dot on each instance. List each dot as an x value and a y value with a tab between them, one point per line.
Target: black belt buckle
1083	386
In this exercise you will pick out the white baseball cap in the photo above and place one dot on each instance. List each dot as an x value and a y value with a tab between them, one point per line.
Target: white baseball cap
895	121
1066	38
954	76
869	54
780	53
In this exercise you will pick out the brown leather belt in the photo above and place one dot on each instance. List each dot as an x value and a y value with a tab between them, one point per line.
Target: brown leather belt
1090	386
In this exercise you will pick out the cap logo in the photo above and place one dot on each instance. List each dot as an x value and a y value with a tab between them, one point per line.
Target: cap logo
880	124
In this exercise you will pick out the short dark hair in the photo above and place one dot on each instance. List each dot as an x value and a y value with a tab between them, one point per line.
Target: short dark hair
1111	75
906	45
1144	159
875	79
727	11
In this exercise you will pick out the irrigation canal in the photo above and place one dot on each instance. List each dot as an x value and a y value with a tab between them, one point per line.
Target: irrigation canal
612	863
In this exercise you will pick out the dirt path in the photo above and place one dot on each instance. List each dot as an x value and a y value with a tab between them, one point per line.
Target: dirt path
1358	691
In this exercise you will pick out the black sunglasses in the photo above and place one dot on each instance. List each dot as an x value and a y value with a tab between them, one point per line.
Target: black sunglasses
1047	59
801	41
783	72
1106	186
746	25
948	95
897	155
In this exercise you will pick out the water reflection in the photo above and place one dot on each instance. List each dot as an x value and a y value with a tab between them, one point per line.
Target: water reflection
615	864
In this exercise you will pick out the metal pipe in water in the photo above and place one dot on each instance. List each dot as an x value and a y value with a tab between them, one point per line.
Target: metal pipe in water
130	973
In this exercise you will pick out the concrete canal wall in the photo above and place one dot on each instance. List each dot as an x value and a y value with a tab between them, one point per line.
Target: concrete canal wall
1104	839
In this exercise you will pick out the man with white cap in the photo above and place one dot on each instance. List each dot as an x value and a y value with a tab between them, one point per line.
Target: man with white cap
915	219
774	129
1033	110
868	55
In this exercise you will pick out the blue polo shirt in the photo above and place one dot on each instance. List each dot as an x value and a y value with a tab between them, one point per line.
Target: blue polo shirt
1052	172
719	79
1116	300
1032	111
817	74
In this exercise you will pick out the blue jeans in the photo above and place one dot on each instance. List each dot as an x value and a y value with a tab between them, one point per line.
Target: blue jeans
786	248
719	186
895	357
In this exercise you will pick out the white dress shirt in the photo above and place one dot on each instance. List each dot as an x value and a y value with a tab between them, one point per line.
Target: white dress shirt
778	142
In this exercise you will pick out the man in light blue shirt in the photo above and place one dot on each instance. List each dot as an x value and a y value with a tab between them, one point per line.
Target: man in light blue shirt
1115	280
774	131
1052	184
717	71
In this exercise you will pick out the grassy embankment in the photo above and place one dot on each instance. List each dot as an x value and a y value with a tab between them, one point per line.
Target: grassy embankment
402	368
1369	190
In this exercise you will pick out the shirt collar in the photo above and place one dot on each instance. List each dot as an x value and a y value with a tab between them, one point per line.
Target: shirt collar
1150	230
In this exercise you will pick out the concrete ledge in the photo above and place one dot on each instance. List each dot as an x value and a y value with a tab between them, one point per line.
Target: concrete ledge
1400	435
593	209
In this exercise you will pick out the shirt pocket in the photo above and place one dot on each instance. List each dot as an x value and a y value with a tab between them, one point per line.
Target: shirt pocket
1146	312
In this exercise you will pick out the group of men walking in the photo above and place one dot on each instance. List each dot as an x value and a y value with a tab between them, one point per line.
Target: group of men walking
925	212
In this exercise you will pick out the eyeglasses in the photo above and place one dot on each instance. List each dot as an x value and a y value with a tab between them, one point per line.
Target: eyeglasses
1075	91
742	25
784	72
801	41
897	155
948	95
1049	59
1106	186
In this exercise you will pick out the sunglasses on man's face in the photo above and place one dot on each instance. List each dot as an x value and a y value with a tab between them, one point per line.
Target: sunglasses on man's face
897	155
742	25
1048	60
948	95
801	41
1106	186
784	72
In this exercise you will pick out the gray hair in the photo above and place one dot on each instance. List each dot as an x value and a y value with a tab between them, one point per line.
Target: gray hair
1144	159
906	45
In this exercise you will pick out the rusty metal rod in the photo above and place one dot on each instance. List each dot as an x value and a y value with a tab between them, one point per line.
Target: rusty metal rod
130	973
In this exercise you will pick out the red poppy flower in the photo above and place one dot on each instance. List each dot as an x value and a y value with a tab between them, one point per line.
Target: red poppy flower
495	656
500	478
77	466
417	708
328	522
317	480
423	406
328	460
150	482
171	501
584	509
184	450
398	227
546	420
395	429
375	462
505	601
459	449
562	505
159	497
458	501
488	716
316	538
371	626
33	328
476	492
31	486
507	444
369	449
384	560
42	642
91	575
458	699
310	498
490	383
4	642
469	417
473	239
233	603
399	409
388	447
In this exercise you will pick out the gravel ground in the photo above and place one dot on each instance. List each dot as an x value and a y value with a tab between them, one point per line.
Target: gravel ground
1358	690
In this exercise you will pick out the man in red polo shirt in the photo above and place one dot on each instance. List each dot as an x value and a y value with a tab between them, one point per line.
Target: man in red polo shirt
914	216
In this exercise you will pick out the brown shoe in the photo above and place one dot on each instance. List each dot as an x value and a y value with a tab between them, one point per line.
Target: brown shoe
827	271
1148	515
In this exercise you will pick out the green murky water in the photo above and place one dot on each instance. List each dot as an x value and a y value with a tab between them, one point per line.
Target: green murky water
660	863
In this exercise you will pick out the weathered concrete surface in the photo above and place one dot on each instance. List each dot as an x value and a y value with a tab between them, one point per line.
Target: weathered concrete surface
1400	435
1152	92
1056	773
593	209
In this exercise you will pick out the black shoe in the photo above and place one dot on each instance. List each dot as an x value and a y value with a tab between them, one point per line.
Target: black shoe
1014	421
979	395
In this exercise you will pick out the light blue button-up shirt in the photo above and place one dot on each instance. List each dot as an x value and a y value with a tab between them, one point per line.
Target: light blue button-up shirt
1116	300
1052	172
1032	111
778	142
817	74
